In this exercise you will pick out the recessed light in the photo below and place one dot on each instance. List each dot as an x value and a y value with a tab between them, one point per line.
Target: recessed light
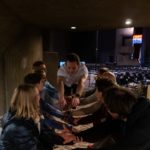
73	28
128	21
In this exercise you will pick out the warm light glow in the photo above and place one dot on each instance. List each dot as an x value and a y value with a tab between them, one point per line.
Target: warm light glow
137	36
128	21
73	27
137	39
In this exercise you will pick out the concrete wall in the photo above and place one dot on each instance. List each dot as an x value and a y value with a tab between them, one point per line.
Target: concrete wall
20	46
18	61
2	91
124	48
51	60
10	27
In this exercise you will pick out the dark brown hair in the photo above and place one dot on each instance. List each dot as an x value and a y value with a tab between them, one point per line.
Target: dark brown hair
103	83
73	58
102	70
33	78
119	100
38	63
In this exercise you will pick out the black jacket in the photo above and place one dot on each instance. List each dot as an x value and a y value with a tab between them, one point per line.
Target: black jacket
137	129
22	134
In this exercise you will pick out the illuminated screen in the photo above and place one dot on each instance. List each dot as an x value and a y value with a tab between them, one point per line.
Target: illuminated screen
137	39
62	62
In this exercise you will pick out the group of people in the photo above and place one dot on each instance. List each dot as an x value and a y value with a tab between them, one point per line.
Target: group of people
30	121
114	111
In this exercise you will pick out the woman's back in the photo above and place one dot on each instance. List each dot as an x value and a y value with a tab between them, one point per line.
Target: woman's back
20	134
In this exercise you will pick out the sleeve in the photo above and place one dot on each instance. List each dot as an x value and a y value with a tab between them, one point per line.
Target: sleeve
61	72
86	120
92	108
51	110
137	138
85	70
95	118
49	138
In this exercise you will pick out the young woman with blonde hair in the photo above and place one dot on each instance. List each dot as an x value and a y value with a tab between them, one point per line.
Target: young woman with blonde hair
21	128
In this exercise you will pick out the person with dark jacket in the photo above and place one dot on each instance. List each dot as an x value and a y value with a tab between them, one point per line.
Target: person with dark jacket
92	99
23	134
101	85
135	112
49	111
102	121
49	93
22	125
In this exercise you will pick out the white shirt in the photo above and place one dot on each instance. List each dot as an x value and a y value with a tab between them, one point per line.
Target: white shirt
73	78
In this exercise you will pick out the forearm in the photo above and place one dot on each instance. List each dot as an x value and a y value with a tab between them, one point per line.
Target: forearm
88	100
61	95
80	87
54	111
81	112
86	120
61	89
86	109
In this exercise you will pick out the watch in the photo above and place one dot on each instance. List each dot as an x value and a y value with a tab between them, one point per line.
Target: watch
77	95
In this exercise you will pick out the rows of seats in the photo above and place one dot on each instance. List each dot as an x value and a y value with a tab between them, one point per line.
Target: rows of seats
134	77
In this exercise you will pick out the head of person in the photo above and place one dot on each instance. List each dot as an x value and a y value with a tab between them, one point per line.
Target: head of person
72	63
109	75
101	85
119	101
25	102
37	79
39	65
102	70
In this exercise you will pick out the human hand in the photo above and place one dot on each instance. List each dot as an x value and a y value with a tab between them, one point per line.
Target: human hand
75	101
69	137
62	102
76	120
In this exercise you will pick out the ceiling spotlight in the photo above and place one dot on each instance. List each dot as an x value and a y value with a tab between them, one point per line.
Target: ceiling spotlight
128	21
73	28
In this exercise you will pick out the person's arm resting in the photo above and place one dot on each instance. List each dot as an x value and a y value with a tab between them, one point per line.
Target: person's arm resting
81	85
60	82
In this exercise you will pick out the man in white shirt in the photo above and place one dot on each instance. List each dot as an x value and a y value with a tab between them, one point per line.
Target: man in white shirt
71	78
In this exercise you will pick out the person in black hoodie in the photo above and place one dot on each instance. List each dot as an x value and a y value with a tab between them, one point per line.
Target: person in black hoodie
135	112
103	123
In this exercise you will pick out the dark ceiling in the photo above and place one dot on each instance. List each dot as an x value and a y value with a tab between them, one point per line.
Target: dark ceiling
85	14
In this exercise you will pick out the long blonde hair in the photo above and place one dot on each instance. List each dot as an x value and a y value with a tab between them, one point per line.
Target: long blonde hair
24	102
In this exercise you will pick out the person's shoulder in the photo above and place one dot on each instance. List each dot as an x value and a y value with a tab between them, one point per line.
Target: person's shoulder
62	67
12	127
6	117
48	85
19	125
61	70
82	64
83	67
22	132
